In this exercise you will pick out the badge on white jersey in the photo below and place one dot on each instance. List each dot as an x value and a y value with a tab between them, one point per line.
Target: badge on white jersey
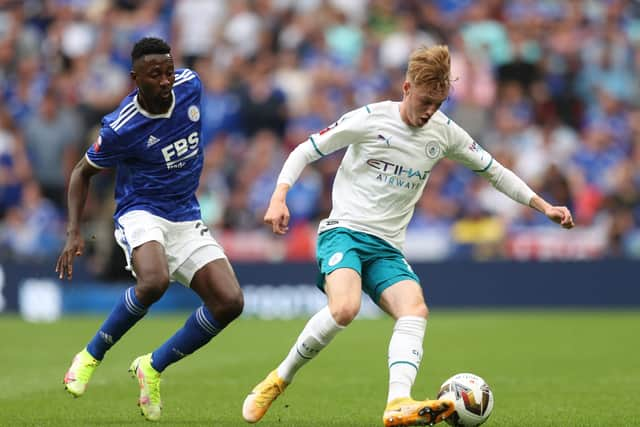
432	149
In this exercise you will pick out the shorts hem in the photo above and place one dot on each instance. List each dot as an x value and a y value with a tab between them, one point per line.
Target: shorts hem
320	281
379	289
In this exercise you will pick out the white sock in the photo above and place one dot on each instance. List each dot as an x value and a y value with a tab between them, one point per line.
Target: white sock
405	354
315	336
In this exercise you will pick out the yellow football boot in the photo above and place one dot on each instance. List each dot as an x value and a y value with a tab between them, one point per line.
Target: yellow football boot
149	381
405	411
79	373
262	396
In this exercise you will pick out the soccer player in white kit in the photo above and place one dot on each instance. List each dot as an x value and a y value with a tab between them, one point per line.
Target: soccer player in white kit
392	148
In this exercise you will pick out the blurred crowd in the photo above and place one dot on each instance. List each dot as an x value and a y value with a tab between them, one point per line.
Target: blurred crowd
549	87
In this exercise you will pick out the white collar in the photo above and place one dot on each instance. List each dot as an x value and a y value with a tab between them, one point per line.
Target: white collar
156	116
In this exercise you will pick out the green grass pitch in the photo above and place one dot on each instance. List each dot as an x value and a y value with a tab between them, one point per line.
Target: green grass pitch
546	368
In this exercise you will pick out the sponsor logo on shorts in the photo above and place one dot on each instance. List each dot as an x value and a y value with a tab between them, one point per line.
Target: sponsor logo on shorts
335	259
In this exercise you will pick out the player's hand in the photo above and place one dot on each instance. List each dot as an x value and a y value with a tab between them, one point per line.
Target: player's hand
73	248
560	215
278	216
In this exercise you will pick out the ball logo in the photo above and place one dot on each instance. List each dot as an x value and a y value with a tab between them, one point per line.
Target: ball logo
335	258
433	150
194	113
472	398
474	404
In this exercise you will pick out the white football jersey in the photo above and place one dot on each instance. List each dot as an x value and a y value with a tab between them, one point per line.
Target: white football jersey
386	166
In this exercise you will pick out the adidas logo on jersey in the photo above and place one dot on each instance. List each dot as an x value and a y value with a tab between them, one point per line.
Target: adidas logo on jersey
152	141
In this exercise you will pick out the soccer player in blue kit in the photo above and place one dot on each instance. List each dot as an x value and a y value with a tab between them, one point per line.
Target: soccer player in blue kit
153	141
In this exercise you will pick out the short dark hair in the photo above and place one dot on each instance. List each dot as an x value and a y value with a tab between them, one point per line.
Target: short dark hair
149	46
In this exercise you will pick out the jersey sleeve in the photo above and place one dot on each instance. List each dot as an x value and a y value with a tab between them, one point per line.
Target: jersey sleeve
463	149
349	129
189	80
196	82
108	149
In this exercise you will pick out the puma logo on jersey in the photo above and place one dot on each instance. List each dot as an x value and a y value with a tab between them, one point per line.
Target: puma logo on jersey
176	153
385	139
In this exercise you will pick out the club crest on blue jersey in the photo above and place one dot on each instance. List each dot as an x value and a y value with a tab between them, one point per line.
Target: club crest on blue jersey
194	113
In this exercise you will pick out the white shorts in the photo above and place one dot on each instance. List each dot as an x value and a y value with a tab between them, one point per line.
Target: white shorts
188	245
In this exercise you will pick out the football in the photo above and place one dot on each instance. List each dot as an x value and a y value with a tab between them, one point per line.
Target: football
472	397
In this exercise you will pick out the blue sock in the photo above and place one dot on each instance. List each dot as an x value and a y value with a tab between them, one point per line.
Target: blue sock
198	330
124	315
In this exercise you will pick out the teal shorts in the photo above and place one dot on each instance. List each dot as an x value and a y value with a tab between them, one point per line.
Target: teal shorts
379	264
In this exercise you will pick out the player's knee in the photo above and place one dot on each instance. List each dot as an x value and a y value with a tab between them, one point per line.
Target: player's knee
418	309
235	305
228	307
344	313
152	284
421	310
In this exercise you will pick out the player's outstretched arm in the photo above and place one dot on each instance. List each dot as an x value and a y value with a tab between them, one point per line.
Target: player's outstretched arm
277	214
558	214
513	186
77	196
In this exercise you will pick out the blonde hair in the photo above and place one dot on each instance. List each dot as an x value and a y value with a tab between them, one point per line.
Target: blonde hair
430	68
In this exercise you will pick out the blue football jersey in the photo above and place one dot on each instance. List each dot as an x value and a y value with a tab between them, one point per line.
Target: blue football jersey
158	157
